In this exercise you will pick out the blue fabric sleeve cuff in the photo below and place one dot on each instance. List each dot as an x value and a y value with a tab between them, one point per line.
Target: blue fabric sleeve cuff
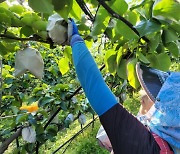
76	38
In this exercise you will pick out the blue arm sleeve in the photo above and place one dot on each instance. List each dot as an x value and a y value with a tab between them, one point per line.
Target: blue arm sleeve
99	95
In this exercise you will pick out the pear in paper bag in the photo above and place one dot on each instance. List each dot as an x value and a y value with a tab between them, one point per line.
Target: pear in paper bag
57	29
70	117
82	119
29	60
29	134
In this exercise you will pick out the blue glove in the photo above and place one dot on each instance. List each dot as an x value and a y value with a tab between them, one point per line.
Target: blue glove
72	29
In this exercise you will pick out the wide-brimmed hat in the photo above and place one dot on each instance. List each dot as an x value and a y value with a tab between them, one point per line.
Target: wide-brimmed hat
151	79
163	88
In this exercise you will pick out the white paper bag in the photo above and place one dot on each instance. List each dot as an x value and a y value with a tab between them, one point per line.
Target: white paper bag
29	60
57	30
29	134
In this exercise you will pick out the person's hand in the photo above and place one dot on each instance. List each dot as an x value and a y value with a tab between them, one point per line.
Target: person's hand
72	29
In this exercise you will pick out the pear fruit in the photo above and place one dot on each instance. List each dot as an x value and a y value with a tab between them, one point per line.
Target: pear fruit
29	19
17	9
82	119
7	12
57	29
40	25
43	34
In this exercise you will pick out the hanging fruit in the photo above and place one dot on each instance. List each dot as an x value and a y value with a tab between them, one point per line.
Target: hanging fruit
29	134
57	29
82	119
29	60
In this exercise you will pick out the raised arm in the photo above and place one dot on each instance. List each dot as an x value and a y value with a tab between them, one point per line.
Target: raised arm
96	90
126	133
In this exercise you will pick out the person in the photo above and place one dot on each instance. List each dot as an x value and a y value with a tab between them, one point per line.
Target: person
127	134
146	103
145	106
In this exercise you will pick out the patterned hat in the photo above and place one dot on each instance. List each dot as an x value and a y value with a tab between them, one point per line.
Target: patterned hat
163	88
151	80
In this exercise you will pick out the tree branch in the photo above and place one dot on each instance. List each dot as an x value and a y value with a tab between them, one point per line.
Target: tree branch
85	9
2	1
6	143
33	38
74	136
1	81
117	16
59	109
67	98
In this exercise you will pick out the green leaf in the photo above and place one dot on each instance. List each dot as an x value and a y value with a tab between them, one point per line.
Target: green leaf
76	11
121	69
16	22
83	27
40	25
67	123
32	99
109	33
167	9
17	9
119	56
63	65
46	100
10	47
29	18
161	61
62	87
41	138
3	50
1	28
173	48
43	34
110	60
10	40
5	19
14	109
27	31
125	31
116	36
94	3
63	7
154	42
119	6
176	27
39	129
132	77
6	11
101	22
147	27
160	48
21	118
4	4
32	120
68	53
63	106
147	8
44	113
169	35
29	147
37	89
132	17
142	58
43	6
17	150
